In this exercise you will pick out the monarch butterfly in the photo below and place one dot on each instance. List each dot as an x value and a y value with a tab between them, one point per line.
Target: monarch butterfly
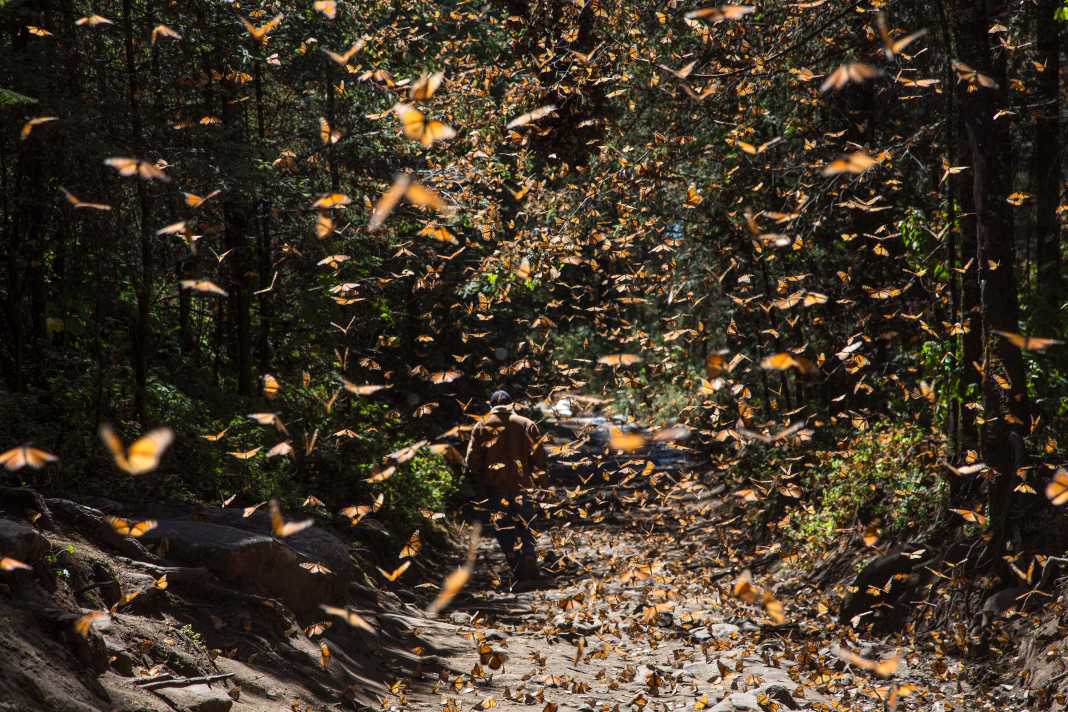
882	668
1027	343
425	86
418	128
455	581
331	200
531	116
364	390
784	360
195	201
396	573
488	656
326	134
327	7
73	200
143	454
723	12
346	57
28	127
1057	489
163	31
245	455
412	548
281	528
381	474
127	527
271	387
9	564
349	616
25	456
84	623
856	72
441	377
620	360
857	162
136	167
315	567
93	21
324	655
260	33
204	286
324	226
973	77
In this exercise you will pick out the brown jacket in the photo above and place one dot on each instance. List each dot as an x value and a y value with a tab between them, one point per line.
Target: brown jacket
504	452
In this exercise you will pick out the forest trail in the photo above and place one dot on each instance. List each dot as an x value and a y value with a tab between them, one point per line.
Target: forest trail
642	617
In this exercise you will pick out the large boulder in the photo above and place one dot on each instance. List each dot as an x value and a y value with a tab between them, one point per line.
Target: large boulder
253	562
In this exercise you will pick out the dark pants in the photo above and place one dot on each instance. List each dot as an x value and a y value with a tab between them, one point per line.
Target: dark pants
509	518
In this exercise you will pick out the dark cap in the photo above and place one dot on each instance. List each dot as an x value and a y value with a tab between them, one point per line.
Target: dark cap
500	398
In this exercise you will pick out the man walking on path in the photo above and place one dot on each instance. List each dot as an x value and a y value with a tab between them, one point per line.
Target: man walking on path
503	457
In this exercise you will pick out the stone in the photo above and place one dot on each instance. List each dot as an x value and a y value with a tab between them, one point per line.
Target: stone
723	630
254	562
22	542
196	698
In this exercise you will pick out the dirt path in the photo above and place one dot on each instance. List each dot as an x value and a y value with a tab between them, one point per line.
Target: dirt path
643	618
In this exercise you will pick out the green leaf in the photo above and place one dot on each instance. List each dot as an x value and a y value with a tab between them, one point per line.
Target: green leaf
12	98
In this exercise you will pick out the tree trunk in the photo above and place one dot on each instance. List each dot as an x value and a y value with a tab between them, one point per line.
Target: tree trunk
1003	378
141	333
1046	167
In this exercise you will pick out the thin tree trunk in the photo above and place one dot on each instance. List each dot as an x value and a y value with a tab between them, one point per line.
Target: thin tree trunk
1046	167
141	335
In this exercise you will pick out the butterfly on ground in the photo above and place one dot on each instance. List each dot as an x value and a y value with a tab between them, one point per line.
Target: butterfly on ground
143	455
25	456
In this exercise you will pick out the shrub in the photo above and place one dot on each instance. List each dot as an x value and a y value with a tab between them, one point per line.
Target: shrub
888	475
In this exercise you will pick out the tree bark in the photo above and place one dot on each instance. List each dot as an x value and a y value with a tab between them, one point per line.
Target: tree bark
1046	166
1003	377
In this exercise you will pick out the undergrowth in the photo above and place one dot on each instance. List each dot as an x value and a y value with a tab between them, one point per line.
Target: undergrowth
886	479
